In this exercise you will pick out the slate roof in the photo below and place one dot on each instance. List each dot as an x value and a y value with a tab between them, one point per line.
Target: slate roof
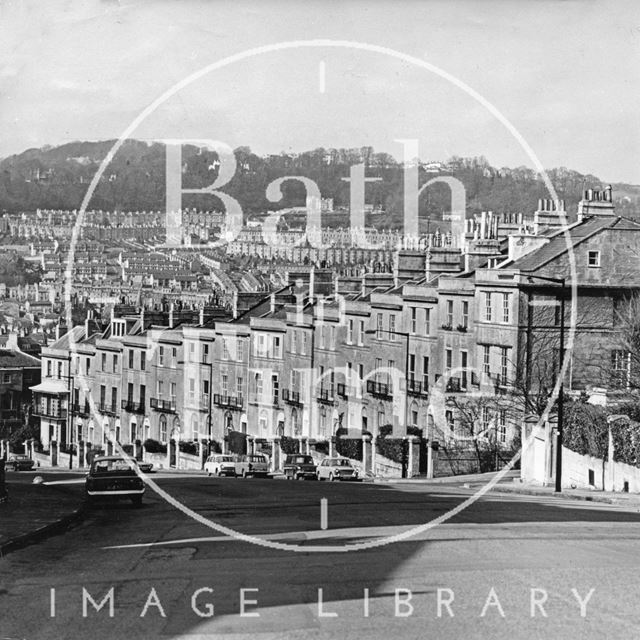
10	359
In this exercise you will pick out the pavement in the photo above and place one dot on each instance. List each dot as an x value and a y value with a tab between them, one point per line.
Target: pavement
34	512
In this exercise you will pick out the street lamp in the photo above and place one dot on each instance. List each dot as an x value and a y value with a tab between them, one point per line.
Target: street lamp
562	283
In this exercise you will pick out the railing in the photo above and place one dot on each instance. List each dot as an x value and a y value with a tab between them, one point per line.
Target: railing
133	407
325	396
108	408
379	389
229	402
54	414
82	410
168	406
416	388
292	397
453	385
346	391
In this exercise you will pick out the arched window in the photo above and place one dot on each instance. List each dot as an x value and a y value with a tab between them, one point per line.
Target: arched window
163	428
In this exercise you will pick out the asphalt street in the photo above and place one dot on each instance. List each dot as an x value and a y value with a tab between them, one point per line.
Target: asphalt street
480	574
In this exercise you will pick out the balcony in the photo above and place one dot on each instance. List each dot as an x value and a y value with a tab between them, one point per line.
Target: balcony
379	389
453	385
346	391
82	410
168	406
417	388
110	409
50	413
325	396
227	402
292	397
133	407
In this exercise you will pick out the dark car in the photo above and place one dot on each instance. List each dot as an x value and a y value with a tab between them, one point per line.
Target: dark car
299	466
114	477
19	462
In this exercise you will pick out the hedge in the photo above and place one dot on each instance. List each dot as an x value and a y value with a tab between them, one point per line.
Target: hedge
289	445
154	446
392	448
188	447
349	447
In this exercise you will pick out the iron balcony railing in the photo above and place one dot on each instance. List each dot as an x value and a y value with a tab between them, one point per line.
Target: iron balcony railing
42	411
228	402
379	389
133	407
292	397
417	388
82	410
325	396
168	406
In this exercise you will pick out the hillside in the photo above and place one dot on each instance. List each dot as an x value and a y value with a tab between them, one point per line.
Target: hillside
58	177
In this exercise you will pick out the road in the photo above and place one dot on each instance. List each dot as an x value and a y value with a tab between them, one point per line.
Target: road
167	570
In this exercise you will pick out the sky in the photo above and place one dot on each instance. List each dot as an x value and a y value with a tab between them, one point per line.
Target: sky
563	74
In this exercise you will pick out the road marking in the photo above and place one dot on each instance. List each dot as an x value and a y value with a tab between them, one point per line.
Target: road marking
322	72
324	515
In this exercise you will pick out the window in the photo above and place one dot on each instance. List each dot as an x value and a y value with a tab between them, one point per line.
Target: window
131	356
114	399
361	333
504	364
427	322
448	416
48	368
259	389
360	378
464	363
620	363
87	365
391	367
192	389
205	390
239	385
414	418
448	356
6	378
225	350
172	391
505	308
277	347
160	389
262	422
130	392
321	336
143	395
294	341
486	359
161	356
414	319
487	306
449	321
163	428
486	418
594	258
350	332
425	372
104	361
205	354
305	338
225	384
192	351
465	314
321	377
392	327
379	326
378	372
332	338
275	388
115	363
412	367
502	426
59	370
174	357
143	360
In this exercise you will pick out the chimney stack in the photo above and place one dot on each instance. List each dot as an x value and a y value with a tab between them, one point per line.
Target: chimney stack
235	304
312	284
171	315
201	316
272	308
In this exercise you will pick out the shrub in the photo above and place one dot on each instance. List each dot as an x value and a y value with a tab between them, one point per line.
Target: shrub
414	431
289	445
237	442
350	448
392	448
321	447
188	447
154	446
385	431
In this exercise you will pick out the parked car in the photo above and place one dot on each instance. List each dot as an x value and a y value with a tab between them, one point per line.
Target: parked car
114	477
337	469
252	465
19	462
220	464
299	466
145	467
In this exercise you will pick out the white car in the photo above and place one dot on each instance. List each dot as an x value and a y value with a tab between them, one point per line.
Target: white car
220	464
336	469
252	465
